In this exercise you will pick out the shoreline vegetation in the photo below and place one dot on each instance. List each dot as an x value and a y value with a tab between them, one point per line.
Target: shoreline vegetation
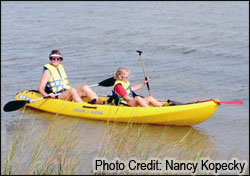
53	150
57	151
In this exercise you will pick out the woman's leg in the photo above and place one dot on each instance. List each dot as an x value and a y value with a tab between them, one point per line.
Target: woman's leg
70	94
153	101
85	90
138	101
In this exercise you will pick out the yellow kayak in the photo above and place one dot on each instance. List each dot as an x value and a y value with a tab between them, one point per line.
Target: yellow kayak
179	115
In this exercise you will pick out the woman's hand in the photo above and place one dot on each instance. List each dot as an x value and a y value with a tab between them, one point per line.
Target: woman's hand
52	95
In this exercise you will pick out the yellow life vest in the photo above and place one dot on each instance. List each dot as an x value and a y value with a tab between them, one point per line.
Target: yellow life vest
58	80
127	87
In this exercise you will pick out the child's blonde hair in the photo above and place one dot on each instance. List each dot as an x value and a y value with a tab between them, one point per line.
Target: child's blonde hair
120	71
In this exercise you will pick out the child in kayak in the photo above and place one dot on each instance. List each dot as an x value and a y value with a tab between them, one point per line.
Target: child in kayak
54	80
124	91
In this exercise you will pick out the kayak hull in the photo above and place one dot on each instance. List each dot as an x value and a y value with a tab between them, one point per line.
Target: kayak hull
178	115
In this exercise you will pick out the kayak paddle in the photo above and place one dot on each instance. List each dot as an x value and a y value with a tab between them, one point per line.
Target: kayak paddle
217	101
149	93
17	104
223	102
14	105
105	83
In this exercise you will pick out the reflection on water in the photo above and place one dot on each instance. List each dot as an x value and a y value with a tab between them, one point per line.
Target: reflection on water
145	141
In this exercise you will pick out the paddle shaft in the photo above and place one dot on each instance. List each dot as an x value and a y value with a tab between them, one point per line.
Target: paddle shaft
144	72
94	85
31	101
17	104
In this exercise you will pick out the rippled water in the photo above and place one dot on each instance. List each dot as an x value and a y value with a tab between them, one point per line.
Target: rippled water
191	51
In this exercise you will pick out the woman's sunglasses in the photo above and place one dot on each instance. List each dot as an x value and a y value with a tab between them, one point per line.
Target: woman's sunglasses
56	58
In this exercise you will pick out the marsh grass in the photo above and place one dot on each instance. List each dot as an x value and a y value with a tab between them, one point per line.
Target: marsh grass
129	141
55	150
51	151
11	156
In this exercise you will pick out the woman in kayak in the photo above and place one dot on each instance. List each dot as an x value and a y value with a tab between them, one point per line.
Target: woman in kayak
123	90
54	80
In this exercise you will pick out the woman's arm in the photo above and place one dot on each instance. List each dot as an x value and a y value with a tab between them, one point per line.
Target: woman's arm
43	82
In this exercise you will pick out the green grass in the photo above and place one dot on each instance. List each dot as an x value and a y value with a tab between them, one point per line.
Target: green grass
53	151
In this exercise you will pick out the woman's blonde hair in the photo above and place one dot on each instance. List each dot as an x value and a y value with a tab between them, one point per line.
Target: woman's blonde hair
120	71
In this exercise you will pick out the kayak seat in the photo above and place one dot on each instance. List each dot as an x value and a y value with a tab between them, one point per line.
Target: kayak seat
173	103
34	91
113	99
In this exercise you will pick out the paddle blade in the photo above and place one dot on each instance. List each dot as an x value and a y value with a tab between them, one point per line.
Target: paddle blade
14	105
107	82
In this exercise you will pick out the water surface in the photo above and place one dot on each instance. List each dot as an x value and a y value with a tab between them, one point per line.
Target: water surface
191	51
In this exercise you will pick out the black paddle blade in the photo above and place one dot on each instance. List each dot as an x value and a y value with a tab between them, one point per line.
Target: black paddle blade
107	82
139	52
14	105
